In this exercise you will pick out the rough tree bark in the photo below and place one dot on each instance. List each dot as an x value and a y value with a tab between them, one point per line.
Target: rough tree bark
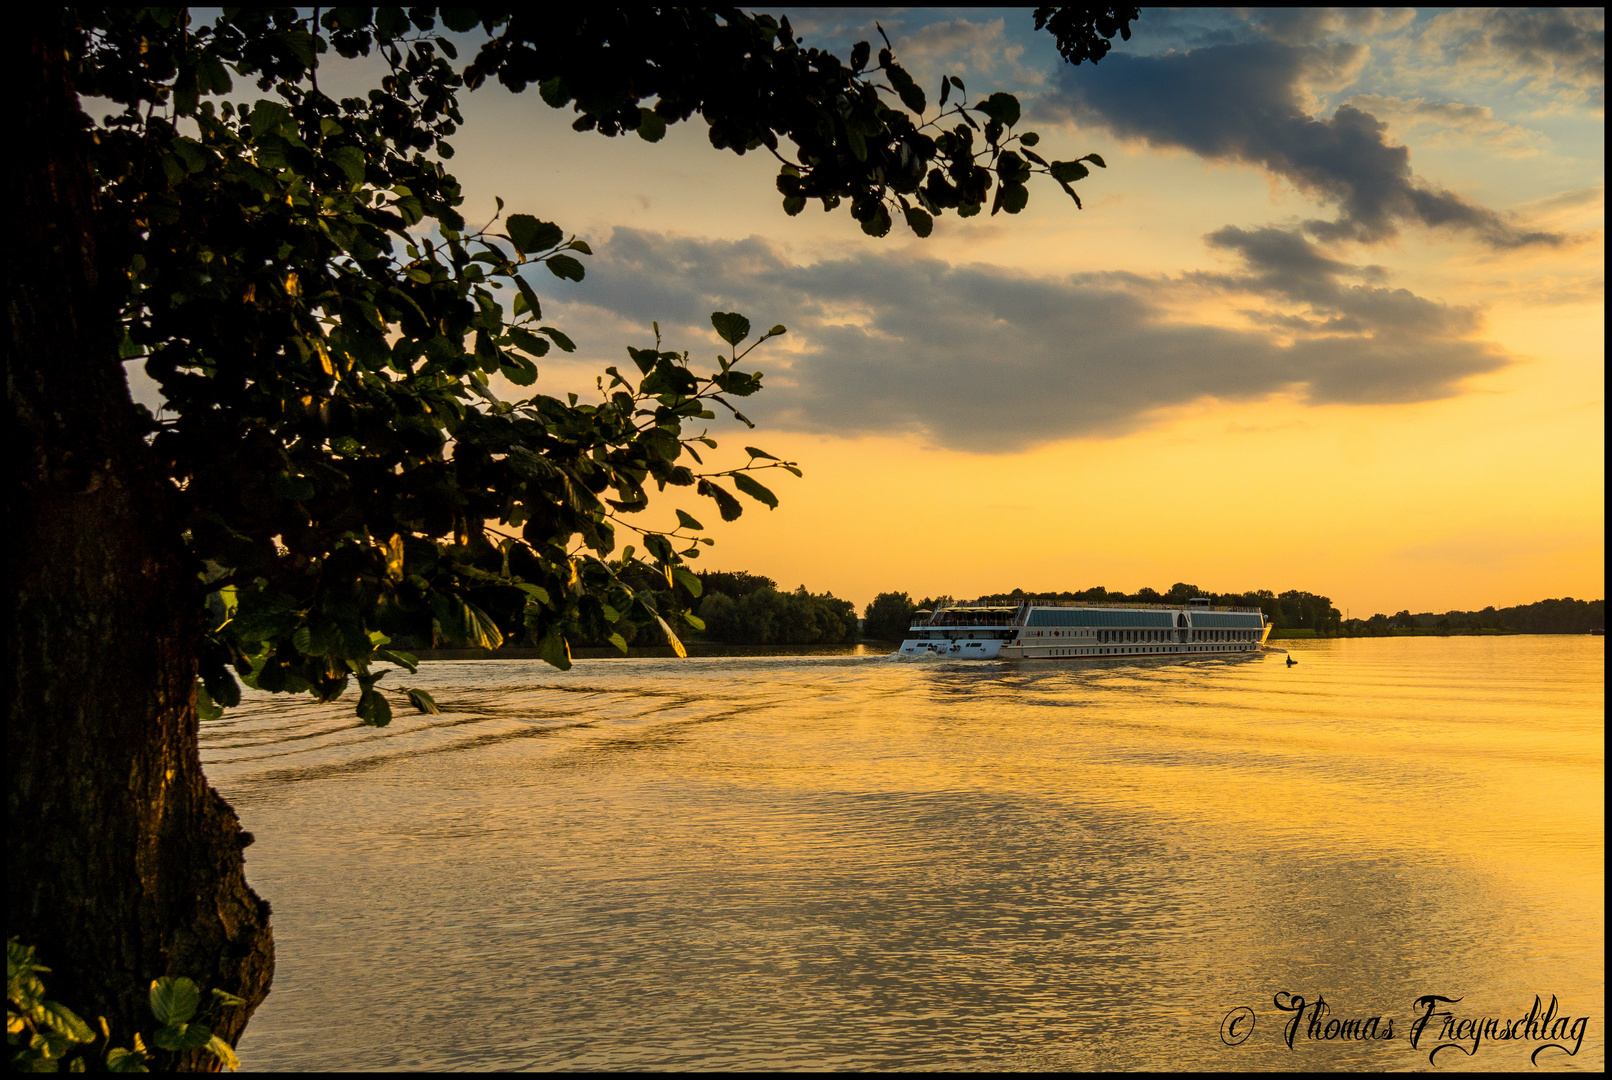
122	863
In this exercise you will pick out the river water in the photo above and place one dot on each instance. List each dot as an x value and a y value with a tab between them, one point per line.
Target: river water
865	861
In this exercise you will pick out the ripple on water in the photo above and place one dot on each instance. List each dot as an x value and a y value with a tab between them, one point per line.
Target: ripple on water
838	862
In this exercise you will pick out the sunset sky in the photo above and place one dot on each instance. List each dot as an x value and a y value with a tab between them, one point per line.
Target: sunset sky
1331	319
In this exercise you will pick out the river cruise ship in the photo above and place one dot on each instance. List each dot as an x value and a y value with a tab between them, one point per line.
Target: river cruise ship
1043	629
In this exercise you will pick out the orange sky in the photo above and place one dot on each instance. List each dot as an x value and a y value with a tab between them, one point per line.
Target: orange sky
1477	482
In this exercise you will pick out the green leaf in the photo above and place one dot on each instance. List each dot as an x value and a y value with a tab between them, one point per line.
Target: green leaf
422	701
731	327
565	343
726	504
206	710
174	1001
211	76
1003	108
179	1037
402	660
651	128
482	629
671	638
464	624
555	650
267	118
517	369
224	1053
527	299
527	341
1029	138
755	490
911	96
563	266
858	144
919	221
1069	171
878	223
1095	160
22	986
540	594
619	642
65	1021
50	1046
644	358
531	235
119	1060
350	160
373	708
694	620
687	522
688	581
1011	168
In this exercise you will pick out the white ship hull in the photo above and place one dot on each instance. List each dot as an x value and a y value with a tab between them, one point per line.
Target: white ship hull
1086	631
957	650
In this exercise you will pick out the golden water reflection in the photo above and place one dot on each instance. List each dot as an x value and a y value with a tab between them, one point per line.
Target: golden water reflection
866	862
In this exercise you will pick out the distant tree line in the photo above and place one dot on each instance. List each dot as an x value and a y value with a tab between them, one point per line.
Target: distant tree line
1564	616
739	608
747	609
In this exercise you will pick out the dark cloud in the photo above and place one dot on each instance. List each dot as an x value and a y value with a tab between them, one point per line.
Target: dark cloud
1283	264
982	359
1242	102
1559	47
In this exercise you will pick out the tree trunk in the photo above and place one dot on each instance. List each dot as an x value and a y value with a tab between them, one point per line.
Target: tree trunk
122	863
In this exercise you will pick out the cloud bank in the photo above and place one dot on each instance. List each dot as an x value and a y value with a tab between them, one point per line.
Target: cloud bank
1559	51
986	360
1246	101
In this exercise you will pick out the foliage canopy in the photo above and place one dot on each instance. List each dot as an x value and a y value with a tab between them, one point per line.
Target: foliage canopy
300	278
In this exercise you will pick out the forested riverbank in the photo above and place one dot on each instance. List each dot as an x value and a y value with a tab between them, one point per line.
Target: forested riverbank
740	611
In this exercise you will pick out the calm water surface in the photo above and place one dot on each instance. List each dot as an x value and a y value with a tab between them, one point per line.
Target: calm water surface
860	861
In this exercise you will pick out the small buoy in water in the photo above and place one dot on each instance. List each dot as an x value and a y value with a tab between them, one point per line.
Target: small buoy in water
1291	661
